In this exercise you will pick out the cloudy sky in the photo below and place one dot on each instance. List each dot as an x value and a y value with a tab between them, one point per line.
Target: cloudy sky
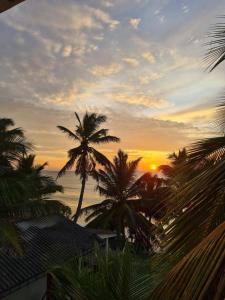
137	61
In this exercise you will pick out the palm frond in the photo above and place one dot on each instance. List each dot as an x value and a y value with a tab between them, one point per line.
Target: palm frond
211	149
105	139
73	155
200	274
69	133
5	123
78	118
99	157
215	54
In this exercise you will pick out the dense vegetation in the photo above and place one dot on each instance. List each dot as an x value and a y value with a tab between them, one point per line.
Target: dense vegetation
24	189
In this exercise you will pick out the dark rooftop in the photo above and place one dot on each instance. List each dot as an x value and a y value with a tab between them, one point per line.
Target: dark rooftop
48	242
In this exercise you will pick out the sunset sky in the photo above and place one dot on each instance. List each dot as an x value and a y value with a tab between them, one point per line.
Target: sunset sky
137	61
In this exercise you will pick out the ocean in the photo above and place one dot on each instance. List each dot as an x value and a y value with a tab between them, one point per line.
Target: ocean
72	185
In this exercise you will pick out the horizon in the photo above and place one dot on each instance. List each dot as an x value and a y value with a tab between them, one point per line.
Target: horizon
139	63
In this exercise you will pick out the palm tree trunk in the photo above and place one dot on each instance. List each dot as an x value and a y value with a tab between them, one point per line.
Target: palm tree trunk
76	215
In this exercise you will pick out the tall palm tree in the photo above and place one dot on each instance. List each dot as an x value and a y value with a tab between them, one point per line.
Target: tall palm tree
85	156
118	183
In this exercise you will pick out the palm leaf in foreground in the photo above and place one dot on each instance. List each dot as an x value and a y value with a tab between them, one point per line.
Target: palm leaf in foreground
200	274
215	55
200	202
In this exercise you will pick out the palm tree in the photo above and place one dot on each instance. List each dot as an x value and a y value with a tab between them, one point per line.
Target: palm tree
153	192
84	156
24	192
118	183
39	188
23	188
13	144
174	173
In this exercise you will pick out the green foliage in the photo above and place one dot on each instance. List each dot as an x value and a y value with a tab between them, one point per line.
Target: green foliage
13	144
24	190
199	205
112	276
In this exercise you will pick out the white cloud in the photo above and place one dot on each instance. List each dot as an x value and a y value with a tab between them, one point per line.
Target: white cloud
157	12
149	57
67	51
138	98
162	19
131	61
105	70
107	3
135	22
185	9
146	79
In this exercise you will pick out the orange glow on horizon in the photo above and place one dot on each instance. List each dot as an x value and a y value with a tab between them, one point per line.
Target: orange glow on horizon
150	159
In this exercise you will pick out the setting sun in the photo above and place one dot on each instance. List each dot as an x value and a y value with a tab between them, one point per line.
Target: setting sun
153	167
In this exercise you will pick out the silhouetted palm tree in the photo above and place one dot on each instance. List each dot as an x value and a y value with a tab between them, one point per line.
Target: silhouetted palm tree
24	194
24	189
13	144
84	156
174	173
119	185
41	185
153	192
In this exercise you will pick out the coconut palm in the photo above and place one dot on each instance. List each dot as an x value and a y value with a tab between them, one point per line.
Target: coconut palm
118	183
153	192
13	144
84	156
23	188
25	193
174	173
